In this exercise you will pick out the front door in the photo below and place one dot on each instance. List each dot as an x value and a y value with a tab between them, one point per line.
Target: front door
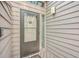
29	33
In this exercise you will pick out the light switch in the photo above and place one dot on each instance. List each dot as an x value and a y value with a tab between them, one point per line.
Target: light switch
53	10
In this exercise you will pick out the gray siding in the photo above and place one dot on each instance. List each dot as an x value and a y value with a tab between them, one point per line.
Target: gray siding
62	29
5	24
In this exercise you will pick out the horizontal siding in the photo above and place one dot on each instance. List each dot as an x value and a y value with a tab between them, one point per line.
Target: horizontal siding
16	32
62	29
5	24
28	6
4	13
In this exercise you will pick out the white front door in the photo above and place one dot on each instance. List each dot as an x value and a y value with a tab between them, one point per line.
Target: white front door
29	33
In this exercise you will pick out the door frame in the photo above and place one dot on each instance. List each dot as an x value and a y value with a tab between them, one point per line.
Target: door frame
22	28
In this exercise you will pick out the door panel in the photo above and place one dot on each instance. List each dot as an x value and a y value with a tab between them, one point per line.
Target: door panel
29	29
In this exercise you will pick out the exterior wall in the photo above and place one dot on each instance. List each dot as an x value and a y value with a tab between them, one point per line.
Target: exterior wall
5	25
16	32
62	29
16	6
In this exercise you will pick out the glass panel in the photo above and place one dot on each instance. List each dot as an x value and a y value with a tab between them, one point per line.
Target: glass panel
39	3
30	35
30	28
